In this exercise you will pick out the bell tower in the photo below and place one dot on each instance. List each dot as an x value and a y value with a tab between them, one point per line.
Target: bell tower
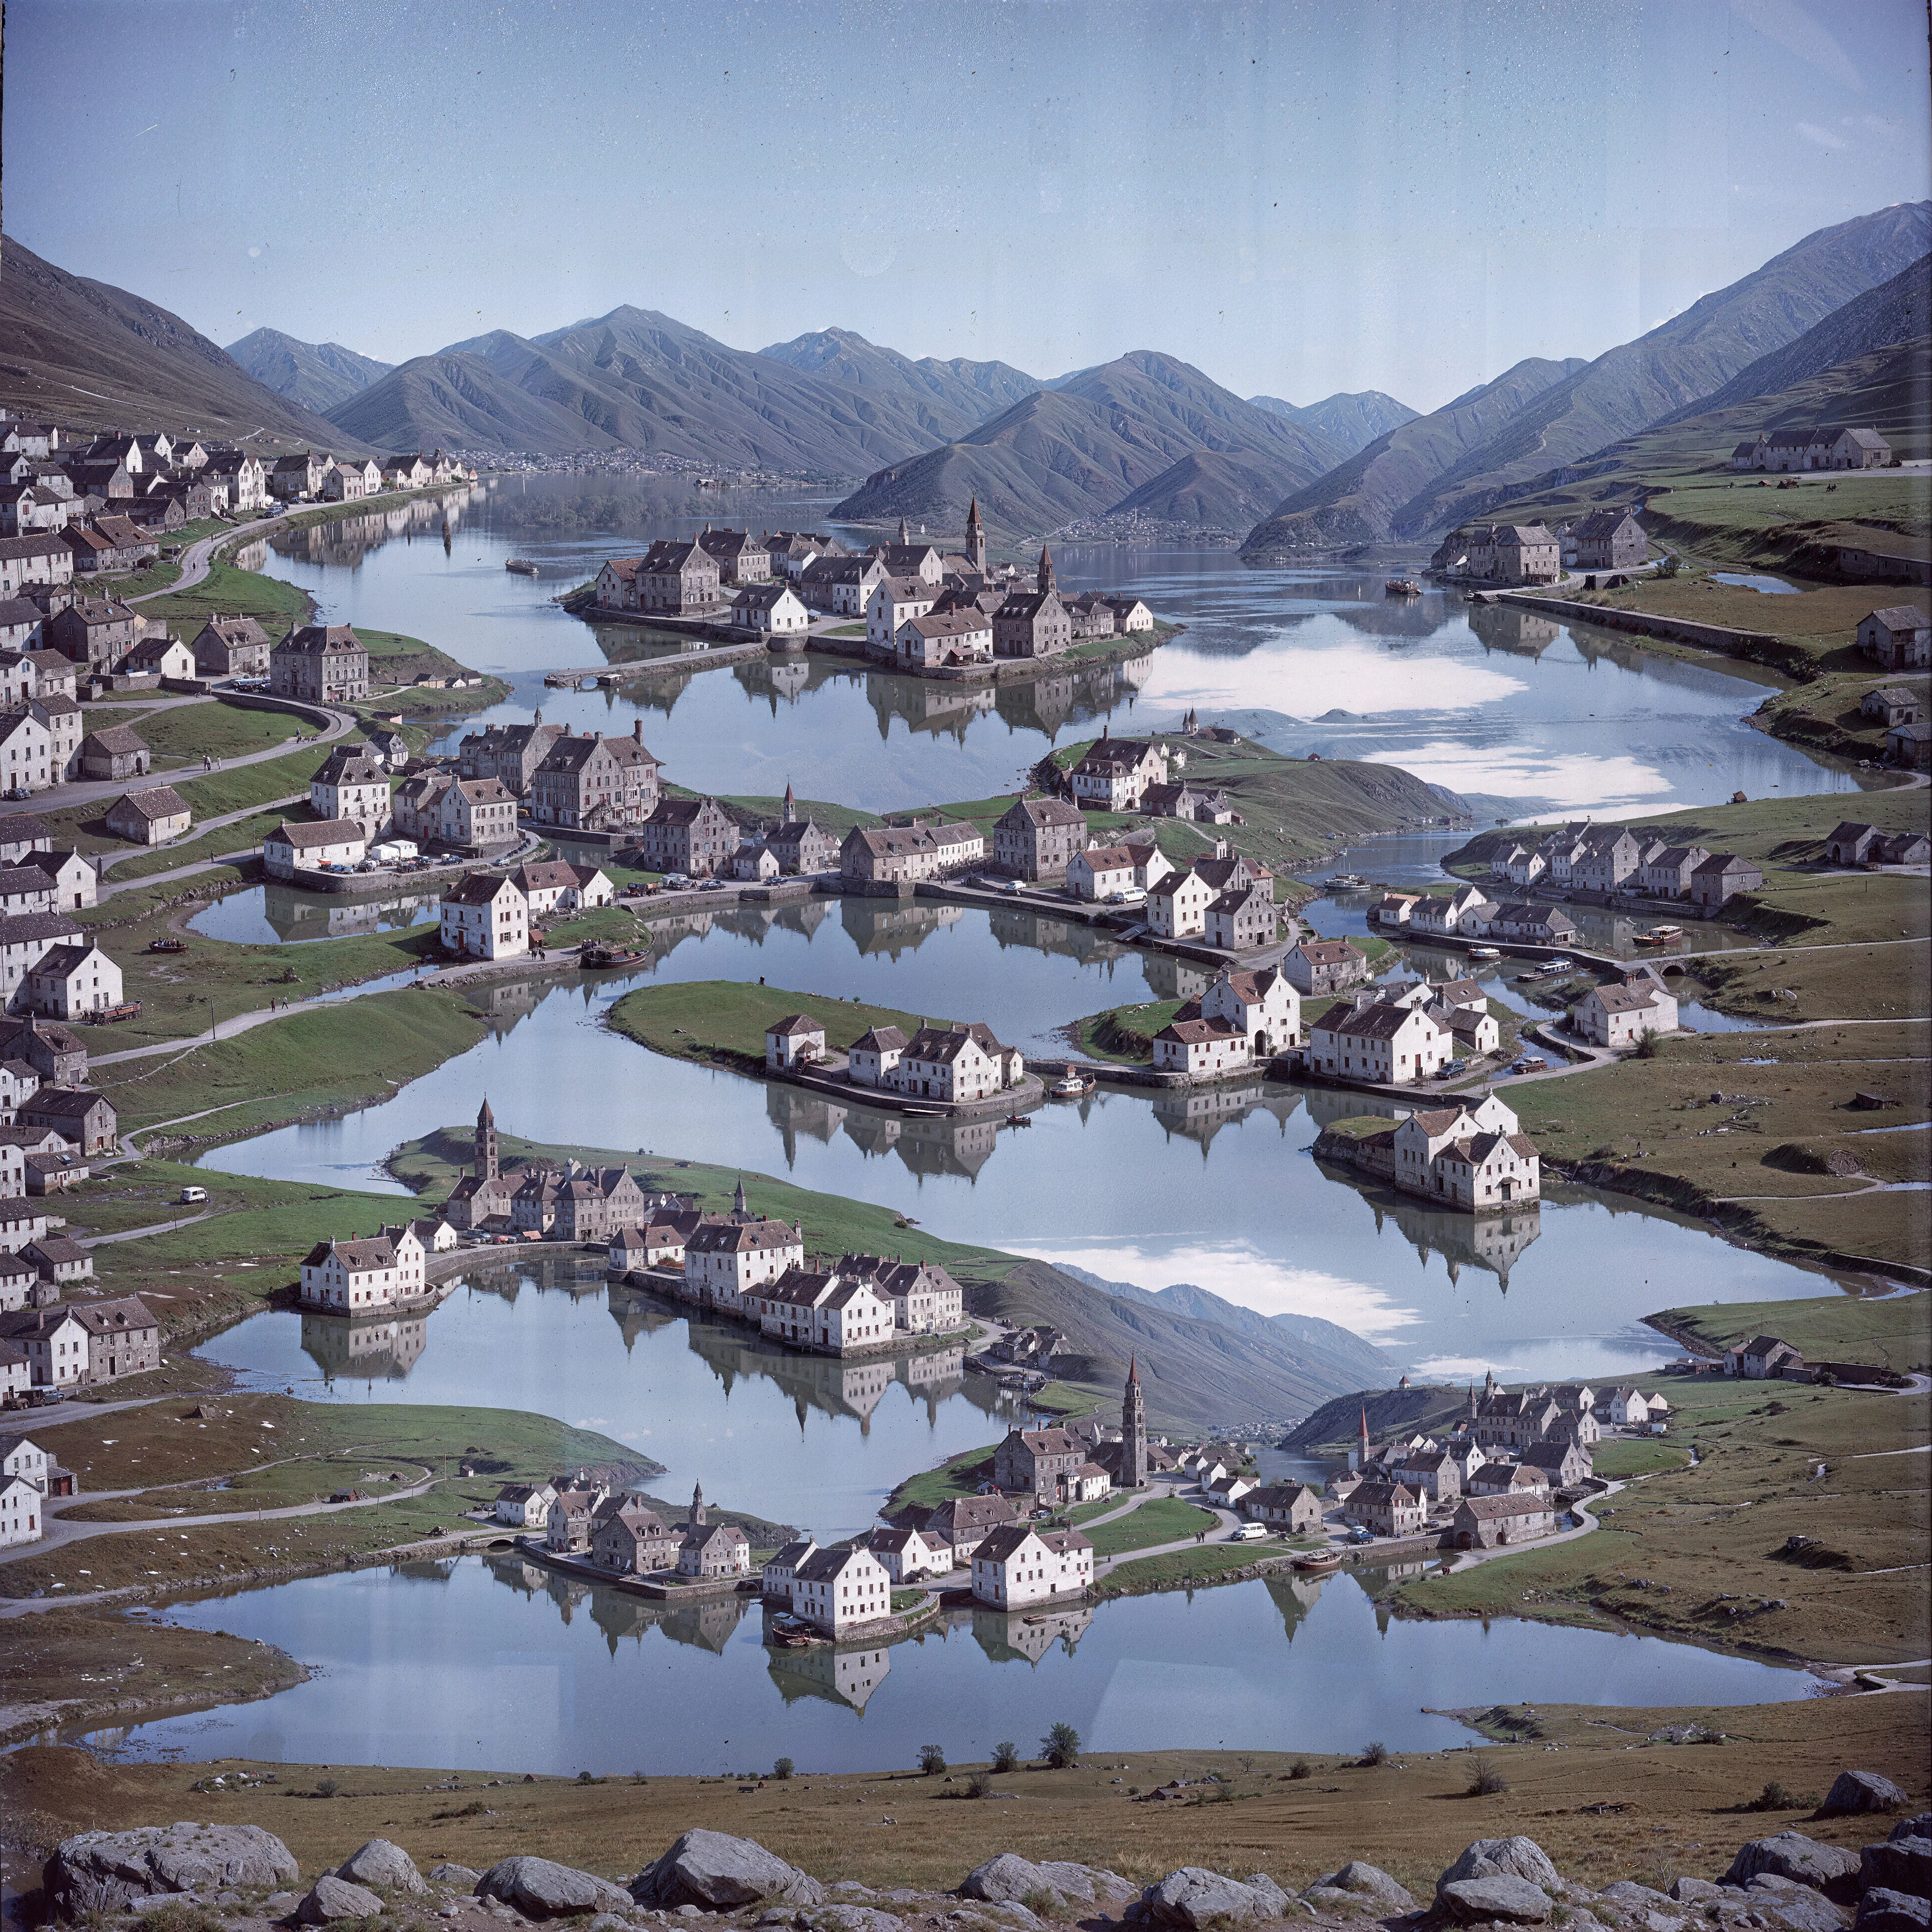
1043	581
975	538
486	1143
1133	1431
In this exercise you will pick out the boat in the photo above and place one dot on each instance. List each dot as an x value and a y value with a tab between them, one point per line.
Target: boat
1071	1086
1401	587
598	959
1346	882
167	946
1019	1120
1485	952
1660	935
522	565
1318	1560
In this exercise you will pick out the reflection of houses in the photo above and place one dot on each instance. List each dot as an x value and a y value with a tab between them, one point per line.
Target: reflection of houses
384	1350
891	927
957	1146
1007	1639
1493	1242
1504	627
839	1674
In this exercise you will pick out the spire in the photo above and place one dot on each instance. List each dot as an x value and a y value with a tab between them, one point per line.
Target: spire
973	514
905	535
790	804
1044	580
975	538
697	1505
738	1203
1134	1371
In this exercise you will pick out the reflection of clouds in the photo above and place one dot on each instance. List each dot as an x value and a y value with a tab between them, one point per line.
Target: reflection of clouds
1457	1368
1240	1274
1604	785
1306	678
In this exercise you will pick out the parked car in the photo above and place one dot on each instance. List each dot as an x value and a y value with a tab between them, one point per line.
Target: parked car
1127	895
1249	1532
712	886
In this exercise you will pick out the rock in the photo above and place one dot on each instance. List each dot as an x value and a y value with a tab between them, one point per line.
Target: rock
279	1904
105	1871
1367	1881
460	1875
541	1888
1502	1898
1639	1897
1195	1897
1013	1880
1696	1892
1830	1869
1920	1827
849	1919
1863	1791
1798	1909
777	1915
1899	1865
1882	1909
608	1921
388	1867
335	1898
1515	1858
717	1871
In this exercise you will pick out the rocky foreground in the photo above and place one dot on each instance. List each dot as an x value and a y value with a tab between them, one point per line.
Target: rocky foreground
226	1878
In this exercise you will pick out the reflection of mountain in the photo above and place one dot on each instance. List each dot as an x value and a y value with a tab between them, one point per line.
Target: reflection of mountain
1025	1637
838	1675
375	1350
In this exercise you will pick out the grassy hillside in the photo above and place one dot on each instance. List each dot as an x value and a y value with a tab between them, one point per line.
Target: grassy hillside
725	1019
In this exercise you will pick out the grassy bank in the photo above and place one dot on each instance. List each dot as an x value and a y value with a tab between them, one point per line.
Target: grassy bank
1893	1331
724	1020
1611	1803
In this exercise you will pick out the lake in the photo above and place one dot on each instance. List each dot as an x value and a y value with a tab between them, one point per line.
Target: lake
1519	713
493	1664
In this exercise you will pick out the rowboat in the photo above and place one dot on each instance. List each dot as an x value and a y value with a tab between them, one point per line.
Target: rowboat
1401	587
1318	1560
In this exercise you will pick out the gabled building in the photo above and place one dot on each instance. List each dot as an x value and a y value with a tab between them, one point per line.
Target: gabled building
513	754
1312	966
739	559
695	836
322	664
349	1277
586	784
726	1262
1609	540
1115	773
955	1064
770	610
1018	1565
895	853
1898	637
629	1540
678	577
836	1590
1394	1045
485	917
347	785
1620	1015
231	647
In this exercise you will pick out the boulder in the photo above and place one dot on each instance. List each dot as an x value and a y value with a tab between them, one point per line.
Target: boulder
1696	1892
1194	1897
1863	1791
1920	1827
388	1867
541	1888
1513	1857
1635	1897
105	1871
1795	1908
1013	1880
715	1871
334	1898
848	1918
456	1875
1899	1865
1830	1869
1502	1898
1882	1910
1369	1881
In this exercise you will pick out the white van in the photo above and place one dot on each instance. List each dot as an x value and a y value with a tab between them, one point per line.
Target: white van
189	1196
1249	1532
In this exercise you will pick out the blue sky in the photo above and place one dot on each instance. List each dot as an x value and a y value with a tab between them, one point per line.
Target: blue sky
1297	198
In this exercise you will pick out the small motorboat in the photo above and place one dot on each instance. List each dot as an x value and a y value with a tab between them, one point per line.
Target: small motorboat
1660	935
1071	1086
1485	952
522	565
1347	882
167	946
1318	1560
600	959
1019	1121
1403	587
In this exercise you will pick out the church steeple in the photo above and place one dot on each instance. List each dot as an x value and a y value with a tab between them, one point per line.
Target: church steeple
1043	580
975	537
1133	1430
738	1206
486	1143
1362	1441
697	1506
790	805
905	534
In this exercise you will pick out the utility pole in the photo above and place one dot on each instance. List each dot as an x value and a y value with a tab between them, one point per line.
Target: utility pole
211	1017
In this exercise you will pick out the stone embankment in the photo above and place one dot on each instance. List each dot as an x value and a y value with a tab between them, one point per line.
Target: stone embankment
241	1879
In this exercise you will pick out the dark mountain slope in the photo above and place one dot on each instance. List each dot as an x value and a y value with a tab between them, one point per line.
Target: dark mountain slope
964	393
1207	489
318	375
1351	422
1356	503
1194	1371
459	401
86	353
1085	447
1687	358
1899	310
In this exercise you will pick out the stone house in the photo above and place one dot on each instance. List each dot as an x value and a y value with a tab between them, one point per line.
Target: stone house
1524	553
1852	841
926	1300
231	647
114	752
42	559
738	558
1482	1523
726	1261
1609	540
1395	1046
678	577
843	585
1242	918
1115	773
95	631
592	784
578	1203
908	1555
567	1526
894	854
629	1540
896	601
1018	1565
1720	877
472	814
834	1590
1667	874
123	1337
823	1309
800	845
1038	1460
58	1261
291	849
511	754
1859	449
299	474
770	610
797	1039
347	785
1176	907
1035	838
344	1277
941	638
525	1505
1540	925
955	1064
695	836
1763	1358
1609	861
966	1521
873	1057
710	1551
616	586
1898	637
1620	1015
1891	704
1909	746
1312	966
322	663
1387	1509
149	817
1562	1465
247	477
1293	1508
485	917
1201	1047
84	1118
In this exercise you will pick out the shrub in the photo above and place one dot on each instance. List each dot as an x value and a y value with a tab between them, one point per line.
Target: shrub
1301	1767
932	1759
176	1917
1776	1797
783	1768
1005	1755
1485	1781
327	1787
979	1785
1376	1753
1061	1747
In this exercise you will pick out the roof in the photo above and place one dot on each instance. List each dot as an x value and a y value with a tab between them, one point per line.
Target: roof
349	764
478	889
105	1318
1001	1544
308	837
320	640
1622	999
1375	1022
73	1102
738	1237
1195	1033
1865	439
1523	1503
794	1026
879	1039
1327	951
156	802
1900	617
793	1554
825	1566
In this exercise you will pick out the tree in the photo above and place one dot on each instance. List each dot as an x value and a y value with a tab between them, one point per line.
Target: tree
932	1759
783	1768
1005	1755
1061	1747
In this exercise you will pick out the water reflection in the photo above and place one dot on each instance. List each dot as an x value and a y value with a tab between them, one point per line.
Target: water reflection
276	914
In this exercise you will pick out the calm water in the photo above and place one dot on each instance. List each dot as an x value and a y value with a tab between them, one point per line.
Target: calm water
1214	1186
1771	586
274	914
579	1679
1513	709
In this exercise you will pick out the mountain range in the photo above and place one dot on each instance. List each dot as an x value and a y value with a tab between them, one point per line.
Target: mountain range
1351	421
319	375
1452	466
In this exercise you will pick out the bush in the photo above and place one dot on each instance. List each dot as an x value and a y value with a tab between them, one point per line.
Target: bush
1301	1767
176	1917
1005	1755
327	1787
783	1768
1376	1753
979	1785
1061	1747
1485	1781
932	1759
1776	1797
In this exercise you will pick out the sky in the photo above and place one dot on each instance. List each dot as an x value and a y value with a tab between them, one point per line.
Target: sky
1299	199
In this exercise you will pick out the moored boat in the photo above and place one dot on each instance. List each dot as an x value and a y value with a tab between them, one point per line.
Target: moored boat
1660	935
1318	1560
1071	1086
1485	952
1346	882
596	958
522	565
1403	587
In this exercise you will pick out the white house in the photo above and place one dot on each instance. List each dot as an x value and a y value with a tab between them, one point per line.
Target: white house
1177	905
1103	870
54	1341
345	1276
1615	1015
956	1064
20	1512
873	1057
796	1040
770	610
1395	1045
21	1456
525	1505
896	601
724	1261
290	848
1202	1046
68	982
1017	1565
486	917
1460	912
908	1555
776	1578
833	1312
834	1589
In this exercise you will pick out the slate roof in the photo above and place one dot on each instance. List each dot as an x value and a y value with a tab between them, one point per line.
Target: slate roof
308	836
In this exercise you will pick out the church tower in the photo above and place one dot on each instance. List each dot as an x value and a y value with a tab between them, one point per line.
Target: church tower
697	1506
486	1143
740	1210
1043	581
905	534
790	805
975	538
1362	1441
1133	1431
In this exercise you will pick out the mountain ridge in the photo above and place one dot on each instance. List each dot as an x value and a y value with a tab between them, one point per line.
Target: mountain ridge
1351	422
318	375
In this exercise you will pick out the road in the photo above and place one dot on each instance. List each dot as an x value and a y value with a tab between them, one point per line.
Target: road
89	791
198	559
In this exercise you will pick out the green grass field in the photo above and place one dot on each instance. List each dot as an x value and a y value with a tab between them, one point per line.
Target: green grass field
1165	1519
704	1018
1894	1331
183	734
